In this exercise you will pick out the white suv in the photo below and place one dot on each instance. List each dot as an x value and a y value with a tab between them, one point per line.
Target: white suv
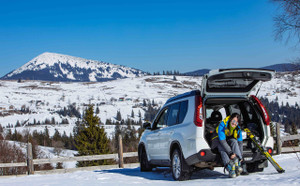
179	136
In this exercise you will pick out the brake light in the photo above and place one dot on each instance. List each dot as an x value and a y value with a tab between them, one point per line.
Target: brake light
263	109
198	117
202	153
270	151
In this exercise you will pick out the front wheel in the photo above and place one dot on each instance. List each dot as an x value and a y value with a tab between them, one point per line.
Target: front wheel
144	163
177	164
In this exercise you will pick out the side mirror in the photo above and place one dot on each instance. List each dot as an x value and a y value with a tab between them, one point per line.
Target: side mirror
147	125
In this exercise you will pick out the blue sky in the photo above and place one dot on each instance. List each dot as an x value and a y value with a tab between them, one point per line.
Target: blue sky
149	35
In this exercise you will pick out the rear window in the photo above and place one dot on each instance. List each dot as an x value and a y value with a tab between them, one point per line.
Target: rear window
230	83
236	81
177	113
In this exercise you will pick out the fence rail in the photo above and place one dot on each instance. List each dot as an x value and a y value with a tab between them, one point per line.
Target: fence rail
30	162
281	139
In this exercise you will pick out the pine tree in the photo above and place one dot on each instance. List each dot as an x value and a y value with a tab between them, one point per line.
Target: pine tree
57	136
119	117
92	139
132	114
97	110
47	139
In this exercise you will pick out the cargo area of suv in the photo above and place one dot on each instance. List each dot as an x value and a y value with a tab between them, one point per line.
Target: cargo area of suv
216	109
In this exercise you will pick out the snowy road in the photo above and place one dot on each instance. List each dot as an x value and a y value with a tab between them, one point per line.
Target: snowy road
162	176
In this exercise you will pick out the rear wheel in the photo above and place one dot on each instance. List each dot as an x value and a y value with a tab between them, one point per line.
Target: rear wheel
144	163
177	166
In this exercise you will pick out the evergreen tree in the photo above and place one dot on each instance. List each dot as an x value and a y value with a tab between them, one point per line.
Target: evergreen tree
47	140
132	113
57	136
92	139
18	124
97	110
119	117
144	103
8	135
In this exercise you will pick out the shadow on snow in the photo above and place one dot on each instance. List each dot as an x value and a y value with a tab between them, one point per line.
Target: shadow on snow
164	173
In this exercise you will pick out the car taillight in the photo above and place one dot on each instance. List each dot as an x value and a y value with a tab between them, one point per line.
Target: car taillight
202	153
270	151
263	109
198	117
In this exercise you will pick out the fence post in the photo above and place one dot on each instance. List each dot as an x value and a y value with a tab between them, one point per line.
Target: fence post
121	161
278	140
30	167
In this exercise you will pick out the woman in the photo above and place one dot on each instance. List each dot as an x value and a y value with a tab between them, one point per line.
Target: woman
228	139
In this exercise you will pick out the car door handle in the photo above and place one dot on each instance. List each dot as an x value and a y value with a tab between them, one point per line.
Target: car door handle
172	132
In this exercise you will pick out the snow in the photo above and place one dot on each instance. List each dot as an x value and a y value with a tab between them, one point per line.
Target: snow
163	176
45	98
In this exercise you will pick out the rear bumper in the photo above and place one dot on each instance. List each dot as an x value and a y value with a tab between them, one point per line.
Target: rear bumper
209	158
213	158
253	157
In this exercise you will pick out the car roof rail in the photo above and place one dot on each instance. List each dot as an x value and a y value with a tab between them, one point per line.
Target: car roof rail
187	94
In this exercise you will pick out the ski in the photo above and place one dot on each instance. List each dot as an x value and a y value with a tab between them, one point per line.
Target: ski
264	152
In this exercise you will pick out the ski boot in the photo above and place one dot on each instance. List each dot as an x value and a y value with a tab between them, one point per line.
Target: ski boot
244	172
238	167
231	169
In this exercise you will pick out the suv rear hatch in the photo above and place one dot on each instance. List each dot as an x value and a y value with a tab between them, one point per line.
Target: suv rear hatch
233	82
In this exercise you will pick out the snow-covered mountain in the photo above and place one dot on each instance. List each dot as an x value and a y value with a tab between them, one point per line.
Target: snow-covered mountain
59	67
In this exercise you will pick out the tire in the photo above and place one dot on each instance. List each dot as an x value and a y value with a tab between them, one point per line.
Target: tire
144	163
177	167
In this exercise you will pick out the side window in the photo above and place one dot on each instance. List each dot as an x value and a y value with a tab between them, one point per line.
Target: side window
162	120
173	113
183	111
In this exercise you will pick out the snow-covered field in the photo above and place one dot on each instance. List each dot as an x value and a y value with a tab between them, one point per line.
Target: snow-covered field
163	176
45	98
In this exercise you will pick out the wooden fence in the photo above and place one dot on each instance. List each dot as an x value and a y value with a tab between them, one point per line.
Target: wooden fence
30	162
281	139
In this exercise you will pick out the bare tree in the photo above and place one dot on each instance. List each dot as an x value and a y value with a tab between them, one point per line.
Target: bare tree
287	23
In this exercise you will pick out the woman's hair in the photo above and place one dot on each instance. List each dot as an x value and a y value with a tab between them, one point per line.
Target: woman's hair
233	116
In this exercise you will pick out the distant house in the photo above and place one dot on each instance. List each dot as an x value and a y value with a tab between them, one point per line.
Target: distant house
11	107
113	99
121	99
128	99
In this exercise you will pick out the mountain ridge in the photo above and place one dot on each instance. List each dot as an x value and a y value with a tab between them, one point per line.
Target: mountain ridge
60	67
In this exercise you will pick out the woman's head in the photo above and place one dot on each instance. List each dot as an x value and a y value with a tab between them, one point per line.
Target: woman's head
234	120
